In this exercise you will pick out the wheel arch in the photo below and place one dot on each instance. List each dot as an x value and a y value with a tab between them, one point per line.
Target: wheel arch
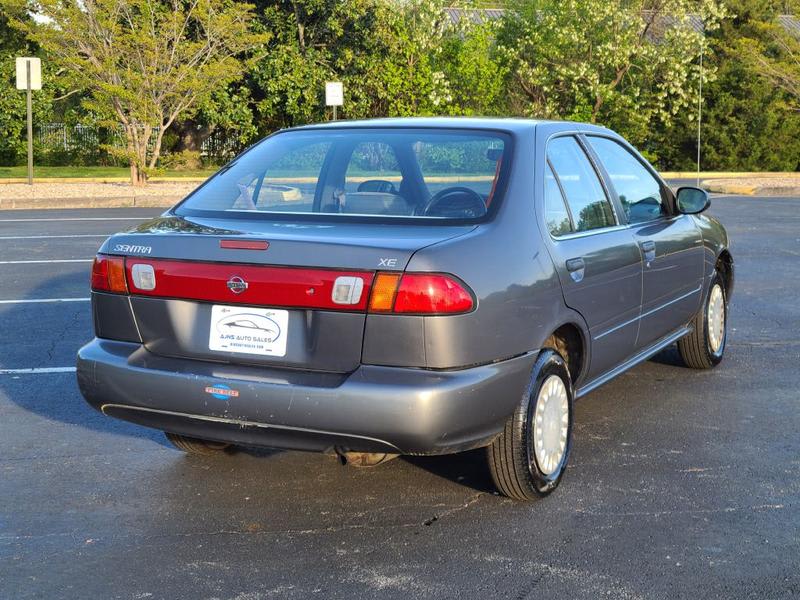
570	340
724	266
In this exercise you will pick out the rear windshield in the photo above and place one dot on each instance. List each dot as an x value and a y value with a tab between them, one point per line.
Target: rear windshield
425	174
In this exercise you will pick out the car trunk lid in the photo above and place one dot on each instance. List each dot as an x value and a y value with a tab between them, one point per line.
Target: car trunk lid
261	292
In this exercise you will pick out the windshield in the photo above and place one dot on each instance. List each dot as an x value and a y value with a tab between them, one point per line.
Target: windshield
425	174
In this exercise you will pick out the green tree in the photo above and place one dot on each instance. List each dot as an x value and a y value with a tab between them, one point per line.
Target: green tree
314	41
624	64
13	111
478	76
748	124
776	55
144	63
394	58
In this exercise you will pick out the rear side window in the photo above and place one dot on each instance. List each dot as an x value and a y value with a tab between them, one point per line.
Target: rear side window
470	163
286	184
640	193
555	211
373	167
585	195
432	174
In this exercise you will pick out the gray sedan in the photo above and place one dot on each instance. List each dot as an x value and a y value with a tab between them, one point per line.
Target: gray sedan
406	286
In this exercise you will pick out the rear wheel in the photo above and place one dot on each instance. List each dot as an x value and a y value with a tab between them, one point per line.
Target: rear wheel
528	459
704	347
192	445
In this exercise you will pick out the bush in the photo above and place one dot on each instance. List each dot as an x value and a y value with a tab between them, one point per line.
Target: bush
185	160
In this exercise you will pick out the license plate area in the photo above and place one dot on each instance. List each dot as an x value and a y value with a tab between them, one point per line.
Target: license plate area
247	330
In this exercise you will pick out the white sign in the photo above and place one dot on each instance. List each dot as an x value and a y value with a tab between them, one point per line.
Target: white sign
248	330
334	93
22	73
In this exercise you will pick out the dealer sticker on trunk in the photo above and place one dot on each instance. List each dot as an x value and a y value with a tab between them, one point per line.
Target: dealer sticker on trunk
248	330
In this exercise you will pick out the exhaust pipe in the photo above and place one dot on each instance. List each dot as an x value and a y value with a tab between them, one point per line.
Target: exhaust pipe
364	459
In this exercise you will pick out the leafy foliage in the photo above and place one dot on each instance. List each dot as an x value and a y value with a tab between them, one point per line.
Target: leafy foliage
611	62
172	72
13	111
748	123
144	63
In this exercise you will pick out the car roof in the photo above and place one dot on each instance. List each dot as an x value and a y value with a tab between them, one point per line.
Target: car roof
487	123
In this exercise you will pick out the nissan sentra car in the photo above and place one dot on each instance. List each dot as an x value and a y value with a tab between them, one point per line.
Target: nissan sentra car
432	286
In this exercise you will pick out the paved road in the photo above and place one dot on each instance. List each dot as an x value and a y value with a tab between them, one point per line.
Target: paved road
682	484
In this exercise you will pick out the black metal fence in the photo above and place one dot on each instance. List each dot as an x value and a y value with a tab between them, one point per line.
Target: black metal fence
60	143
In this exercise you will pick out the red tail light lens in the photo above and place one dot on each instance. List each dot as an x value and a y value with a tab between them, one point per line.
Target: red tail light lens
108	274
425	293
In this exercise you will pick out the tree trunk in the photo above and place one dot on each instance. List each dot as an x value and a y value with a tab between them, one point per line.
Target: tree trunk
139	145
191	135
138	177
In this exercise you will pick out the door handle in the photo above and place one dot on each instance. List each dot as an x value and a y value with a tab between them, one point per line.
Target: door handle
649	249
576	266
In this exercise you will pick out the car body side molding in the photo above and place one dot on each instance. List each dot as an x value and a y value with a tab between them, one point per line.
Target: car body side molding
633	361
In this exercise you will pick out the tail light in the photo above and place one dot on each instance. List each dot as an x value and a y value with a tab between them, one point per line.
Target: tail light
383	292
406	293
420	293
108	274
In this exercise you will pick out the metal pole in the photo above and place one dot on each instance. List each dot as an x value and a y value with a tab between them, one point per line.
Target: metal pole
699	112
30	125
334	112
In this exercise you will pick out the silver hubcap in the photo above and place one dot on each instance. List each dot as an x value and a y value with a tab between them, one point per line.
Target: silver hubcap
716	318
551	425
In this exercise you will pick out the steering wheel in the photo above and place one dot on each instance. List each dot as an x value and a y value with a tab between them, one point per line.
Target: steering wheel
456	203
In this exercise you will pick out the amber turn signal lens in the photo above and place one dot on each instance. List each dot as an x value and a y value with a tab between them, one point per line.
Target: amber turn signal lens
116	276
384	288
108	274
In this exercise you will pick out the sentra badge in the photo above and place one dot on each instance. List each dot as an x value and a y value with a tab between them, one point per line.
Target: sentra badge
133	249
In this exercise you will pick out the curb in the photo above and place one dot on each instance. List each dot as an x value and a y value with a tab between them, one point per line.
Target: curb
10	180
751	189
726	174
732	188
99	202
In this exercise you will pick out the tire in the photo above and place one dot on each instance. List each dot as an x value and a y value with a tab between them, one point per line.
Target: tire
705	346
518	470
196	446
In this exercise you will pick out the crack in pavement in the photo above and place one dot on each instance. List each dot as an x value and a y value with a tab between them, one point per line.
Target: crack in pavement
246	532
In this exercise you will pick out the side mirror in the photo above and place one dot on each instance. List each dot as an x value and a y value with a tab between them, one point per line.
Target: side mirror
692	200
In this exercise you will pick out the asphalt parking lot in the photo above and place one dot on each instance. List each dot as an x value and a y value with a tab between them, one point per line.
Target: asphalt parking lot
682	484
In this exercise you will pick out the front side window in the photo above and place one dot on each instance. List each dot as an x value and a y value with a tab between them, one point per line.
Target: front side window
585	195
640	193
420	174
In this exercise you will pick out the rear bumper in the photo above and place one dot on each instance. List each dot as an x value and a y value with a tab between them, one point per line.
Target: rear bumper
373	409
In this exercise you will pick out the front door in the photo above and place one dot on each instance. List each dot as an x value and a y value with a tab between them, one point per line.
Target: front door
670	243
597	259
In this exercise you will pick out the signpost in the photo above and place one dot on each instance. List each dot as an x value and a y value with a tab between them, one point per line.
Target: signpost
29	77
334	95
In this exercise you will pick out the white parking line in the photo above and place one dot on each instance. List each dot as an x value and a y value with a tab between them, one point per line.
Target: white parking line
42	300
75	219
47	237
36	262
37	371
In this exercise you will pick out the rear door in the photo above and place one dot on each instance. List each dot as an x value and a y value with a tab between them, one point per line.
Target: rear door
670	243
597	259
